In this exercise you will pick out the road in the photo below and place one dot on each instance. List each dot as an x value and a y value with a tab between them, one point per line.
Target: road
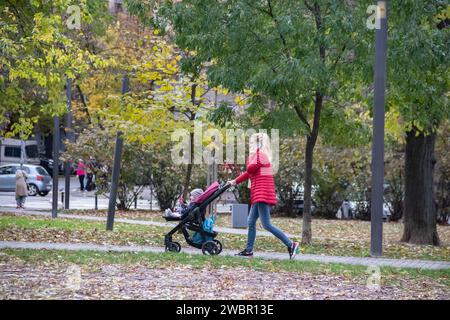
78	199
81	200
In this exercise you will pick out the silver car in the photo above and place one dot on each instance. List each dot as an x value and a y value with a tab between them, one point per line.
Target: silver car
39	181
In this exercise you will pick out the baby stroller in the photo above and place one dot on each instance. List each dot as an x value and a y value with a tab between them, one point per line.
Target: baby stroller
194	222
90	185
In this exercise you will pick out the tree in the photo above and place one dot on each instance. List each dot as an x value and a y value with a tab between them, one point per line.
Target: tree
418	89
290	173
38	53
295	54
178	89
443	173
162	100
96	146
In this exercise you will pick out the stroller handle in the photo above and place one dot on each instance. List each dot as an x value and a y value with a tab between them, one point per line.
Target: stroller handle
224	187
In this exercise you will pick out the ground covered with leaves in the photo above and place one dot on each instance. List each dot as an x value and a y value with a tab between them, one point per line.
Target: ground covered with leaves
351	230
39	229
28	274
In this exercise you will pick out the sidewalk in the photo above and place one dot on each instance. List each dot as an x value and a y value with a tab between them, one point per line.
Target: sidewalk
380	262
366	261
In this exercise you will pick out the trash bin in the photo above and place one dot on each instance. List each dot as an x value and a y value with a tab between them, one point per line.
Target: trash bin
239	215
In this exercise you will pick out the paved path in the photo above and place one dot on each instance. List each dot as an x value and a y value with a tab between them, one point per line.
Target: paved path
381	262
305	257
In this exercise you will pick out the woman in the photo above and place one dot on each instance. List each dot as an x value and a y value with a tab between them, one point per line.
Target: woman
262	189
21	188
81	173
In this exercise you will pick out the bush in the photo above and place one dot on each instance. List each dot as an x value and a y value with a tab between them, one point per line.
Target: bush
394	194
290	176
166	181
96	147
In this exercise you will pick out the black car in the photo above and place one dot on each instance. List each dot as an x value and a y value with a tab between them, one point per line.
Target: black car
48	165
299	206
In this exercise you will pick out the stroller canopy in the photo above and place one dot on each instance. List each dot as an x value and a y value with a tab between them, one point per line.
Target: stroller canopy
208	192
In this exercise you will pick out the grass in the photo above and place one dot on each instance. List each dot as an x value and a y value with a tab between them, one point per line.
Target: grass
28	228
352	230
166	260
32	222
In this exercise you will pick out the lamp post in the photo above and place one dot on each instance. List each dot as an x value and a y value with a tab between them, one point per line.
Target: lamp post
56	138
116	166
69	137
378	132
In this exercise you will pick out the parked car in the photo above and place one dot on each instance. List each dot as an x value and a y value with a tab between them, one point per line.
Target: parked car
39	181
11	151
299	206
386	208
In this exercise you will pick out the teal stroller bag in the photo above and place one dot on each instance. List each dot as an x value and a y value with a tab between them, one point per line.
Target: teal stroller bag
208	225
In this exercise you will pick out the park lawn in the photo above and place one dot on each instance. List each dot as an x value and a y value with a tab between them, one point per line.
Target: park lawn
44	274
93	259
39	229
352	230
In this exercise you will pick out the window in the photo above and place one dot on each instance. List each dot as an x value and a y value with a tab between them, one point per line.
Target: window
42	171
13	152
32	151
6	170
24	168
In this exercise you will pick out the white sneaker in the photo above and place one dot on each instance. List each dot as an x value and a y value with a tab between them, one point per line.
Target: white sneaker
294	249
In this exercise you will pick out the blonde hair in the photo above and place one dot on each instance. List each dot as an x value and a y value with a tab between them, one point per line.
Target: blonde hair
260	141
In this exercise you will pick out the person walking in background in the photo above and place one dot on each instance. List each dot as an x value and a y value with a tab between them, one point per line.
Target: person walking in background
90	184
21	188
262	189
81	173
346	210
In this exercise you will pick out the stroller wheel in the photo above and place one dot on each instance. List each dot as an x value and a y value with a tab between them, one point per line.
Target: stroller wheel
173	247
210	247
219	246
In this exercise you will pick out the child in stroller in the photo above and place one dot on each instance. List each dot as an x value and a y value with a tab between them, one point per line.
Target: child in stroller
193	219
182	210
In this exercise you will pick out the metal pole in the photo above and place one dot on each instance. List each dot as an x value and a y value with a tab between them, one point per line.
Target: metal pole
22	152
96	201
214	178
69	137
116	167
114	181
56	138
151	197
209	180
378	133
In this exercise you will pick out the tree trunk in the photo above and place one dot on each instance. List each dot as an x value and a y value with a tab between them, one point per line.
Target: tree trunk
311	141
310	144
187	181
83	101
420	210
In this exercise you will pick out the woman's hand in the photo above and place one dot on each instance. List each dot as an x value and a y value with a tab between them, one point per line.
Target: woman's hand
232	182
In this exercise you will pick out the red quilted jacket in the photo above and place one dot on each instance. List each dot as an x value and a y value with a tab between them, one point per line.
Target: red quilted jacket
259	170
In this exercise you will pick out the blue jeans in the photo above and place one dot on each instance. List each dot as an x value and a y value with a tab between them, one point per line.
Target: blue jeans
20	200
262	210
